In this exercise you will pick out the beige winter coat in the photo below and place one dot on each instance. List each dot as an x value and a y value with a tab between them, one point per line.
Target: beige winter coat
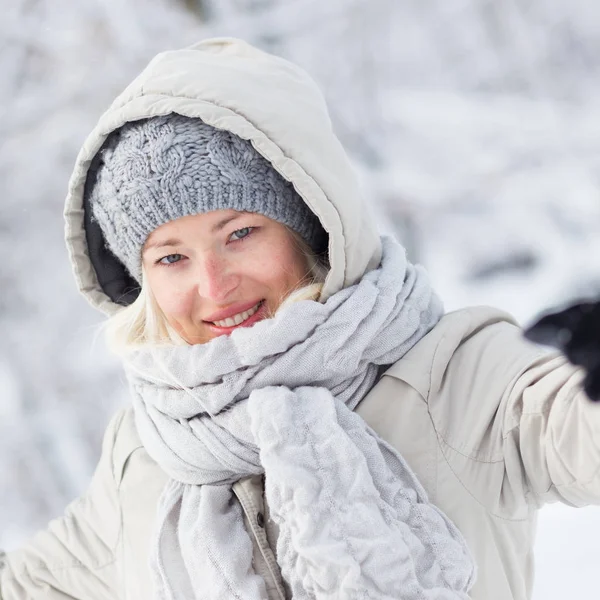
492	426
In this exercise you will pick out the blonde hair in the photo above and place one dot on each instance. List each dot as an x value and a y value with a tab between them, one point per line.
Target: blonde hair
143	323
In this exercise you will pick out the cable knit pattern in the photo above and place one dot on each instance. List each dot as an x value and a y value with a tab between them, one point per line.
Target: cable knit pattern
156	170
278	399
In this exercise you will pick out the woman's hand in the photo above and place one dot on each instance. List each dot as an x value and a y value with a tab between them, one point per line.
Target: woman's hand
575	331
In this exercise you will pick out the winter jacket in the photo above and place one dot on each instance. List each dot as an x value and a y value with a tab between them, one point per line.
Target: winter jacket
492	426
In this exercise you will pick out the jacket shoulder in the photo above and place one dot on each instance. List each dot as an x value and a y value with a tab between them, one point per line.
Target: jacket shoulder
463	369
432	354
76	555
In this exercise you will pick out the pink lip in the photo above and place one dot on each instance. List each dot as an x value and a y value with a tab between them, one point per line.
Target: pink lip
257	316
234	309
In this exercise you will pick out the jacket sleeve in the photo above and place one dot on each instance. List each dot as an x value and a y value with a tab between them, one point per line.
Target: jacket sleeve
520	412
556	430
74	558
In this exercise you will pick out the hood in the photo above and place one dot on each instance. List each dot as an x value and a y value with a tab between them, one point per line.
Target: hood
259	97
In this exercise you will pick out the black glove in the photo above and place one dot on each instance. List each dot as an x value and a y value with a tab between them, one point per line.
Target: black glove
575	331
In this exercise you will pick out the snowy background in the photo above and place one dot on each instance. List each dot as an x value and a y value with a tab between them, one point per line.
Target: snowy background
474	125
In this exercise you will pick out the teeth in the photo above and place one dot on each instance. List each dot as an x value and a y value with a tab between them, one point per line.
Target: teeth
237	319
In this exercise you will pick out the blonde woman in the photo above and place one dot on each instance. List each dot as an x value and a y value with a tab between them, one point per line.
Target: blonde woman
305	420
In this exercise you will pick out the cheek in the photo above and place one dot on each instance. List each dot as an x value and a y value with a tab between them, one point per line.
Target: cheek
174	302
281	268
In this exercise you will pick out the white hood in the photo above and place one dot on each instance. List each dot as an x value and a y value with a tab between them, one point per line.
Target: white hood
259	97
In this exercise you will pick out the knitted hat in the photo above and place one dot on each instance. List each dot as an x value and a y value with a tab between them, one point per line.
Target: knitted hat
156	170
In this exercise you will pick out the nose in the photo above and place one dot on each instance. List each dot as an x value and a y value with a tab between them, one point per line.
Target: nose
216	278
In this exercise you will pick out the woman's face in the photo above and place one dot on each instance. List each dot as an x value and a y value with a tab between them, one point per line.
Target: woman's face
214	272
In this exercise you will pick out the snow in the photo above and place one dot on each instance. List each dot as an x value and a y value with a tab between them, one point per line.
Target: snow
475	131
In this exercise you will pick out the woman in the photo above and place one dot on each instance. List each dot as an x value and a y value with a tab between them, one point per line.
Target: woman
306	422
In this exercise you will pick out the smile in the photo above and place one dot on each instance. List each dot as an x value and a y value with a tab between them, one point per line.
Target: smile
238	319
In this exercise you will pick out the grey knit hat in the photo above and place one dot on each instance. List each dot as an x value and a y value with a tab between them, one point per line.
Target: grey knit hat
156	170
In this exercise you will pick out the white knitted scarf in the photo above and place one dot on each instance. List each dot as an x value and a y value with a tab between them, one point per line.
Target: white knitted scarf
278	399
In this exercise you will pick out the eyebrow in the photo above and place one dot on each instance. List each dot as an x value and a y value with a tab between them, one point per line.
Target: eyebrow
174	241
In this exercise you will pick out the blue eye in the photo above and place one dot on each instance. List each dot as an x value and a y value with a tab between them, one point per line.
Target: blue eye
170	259
240	234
